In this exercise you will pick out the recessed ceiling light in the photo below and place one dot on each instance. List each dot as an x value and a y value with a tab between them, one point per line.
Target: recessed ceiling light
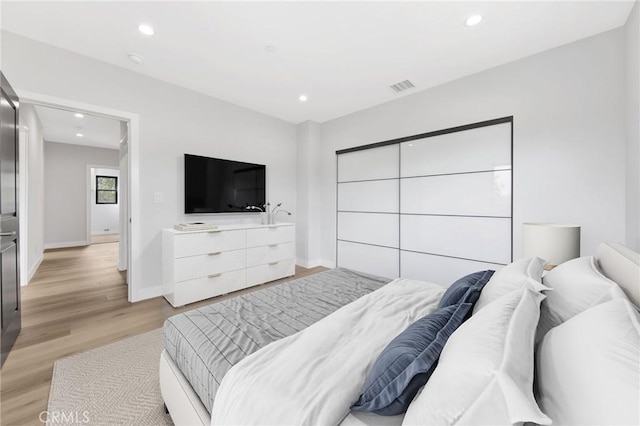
302	98
79	135
136	59
78	115
473	20
270	49
146	29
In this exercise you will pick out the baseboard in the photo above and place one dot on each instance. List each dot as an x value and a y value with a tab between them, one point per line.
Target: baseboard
148	293
315	263
105	233
49	246
35	267
308	263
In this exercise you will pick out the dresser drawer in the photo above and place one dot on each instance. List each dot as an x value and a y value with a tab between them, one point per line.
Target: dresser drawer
270	272
208	242
188	268
186	292
270	235
271	253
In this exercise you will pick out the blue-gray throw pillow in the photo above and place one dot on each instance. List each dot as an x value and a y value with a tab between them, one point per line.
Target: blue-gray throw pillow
466	290
406	364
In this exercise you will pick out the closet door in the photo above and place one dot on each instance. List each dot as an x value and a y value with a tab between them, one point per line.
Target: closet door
433	207
455	209
368	204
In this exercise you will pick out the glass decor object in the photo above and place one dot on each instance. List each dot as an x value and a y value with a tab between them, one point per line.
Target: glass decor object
265	218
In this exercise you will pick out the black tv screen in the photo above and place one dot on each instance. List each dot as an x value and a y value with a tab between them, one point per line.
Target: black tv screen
213	185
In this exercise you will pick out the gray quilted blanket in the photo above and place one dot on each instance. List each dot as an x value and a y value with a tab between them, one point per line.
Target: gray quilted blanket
206	342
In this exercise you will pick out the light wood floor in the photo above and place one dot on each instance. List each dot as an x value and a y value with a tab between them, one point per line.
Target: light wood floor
105	238
76	301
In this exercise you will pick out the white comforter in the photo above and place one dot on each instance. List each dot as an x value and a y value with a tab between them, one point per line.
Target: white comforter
314	376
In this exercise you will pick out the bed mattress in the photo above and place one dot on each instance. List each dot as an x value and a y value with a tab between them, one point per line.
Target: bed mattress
206	342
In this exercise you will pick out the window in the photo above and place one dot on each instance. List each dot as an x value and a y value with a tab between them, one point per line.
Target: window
106	190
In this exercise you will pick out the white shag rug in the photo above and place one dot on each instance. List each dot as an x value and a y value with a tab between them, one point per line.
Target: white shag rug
116	384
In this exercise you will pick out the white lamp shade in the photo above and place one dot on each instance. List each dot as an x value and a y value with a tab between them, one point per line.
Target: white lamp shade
556	243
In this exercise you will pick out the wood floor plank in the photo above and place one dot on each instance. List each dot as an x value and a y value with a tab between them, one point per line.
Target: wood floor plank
77	301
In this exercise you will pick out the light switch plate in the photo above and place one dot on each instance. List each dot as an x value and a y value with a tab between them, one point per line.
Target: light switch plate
157	197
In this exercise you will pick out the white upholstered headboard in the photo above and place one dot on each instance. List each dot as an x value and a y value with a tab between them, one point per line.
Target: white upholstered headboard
621	265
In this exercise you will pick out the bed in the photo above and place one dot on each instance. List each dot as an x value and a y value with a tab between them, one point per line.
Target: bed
198	352
279	319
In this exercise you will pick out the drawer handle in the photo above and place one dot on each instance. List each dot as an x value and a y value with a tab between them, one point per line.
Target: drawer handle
215	253
215	275
273	263
214	231
273	245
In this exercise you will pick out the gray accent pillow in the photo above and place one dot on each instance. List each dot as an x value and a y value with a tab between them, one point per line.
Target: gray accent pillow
466	290
406	364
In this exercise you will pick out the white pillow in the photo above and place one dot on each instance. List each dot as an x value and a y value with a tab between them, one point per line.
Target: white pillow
588	369
512	277
576	286
485	372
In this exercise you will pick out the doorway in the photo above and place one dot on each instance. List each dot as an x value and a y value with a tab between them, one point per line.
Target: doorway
104	201
126	160
77	213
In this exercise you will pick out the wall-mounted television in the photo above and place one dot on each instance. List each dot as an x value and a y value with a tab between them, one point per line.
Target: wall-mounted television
214	185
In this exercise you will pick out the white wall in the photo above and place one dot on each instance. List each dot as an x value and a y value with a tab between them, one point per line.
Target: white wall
309	208
569	135
33	242
303	179
105	218
173	121
66	191
633	128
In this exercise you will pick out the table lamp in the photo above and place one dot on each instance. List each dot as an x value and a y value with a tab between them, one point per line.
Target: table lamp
556	243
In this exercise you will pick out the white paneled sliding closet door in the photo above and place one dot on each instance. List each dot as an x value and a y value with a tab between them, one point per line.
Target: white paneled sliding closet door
433	207
368	211
455	210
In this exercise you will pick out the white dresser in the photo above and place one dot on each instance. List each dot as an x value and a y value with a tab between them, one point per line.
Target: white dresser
202	264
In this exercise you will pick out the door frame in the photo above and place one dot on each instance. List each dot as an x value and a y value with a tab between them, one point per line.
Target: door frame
121	202
23	191
134	277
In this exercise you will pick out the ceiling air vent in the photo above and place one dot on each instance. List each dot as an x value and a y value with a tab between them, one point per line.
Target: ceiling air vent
402	86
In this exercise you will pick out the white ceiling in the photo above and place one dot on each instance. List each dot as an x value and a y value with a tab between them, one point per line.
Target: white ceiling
61	126
343	55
